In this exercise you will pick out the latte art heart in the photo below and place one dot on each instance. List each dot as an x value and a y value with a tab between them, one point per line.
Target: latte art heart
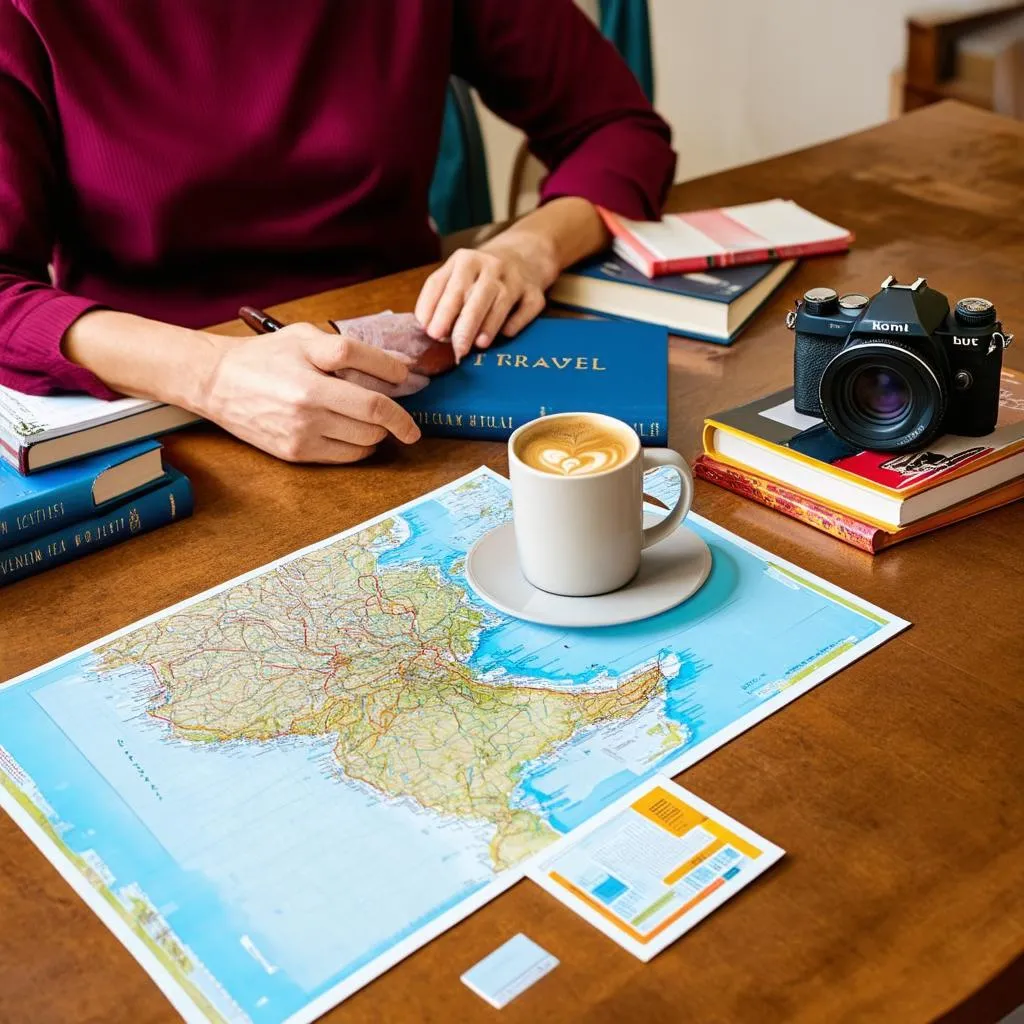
558	461
573	448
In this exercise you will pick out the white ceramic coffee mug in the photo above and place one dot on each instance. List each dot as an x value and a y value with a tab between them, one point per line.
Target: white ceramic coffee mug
581	533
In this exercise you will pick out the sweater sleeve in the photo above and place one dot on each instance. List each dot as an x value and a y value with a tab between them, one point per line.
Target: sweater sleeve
33	314
543	66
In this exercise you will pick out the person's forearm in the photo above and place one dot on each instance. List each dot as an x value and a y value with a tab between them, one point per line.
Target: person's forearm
146	358
555	235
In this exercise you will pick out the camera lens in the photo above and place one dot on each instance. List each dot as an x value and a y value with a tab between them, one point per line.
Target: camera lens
882	396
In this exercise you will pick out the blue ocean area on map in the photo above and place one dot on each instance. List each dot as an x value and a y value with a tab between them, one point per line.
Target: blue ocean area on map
569	658
282	875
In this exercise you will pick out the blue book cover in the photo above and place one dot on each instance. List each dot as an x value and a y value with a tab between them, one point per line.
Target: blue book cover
167	502
710	305
717	284
31	506
555	365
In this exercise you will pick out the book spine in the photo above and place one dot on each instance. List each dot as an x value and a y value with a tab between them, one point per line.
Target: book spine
40	514
13	455
832	245
691	264
790	503
650	424
145	512
469	426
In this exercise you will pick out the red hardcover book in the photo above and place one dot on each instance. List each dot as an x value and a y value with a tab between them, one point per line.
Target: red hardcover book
681	243
839	524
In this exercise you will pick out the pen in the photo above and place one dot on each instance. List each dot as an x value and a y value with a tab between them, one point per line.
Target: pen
260	322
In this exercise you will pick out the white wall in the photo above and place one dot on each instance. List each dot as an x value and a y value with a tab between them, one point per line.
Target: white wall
742	80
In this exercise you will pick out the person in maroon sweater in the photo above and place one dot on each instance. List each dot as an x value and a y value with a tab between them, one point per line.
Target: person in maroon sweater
162	163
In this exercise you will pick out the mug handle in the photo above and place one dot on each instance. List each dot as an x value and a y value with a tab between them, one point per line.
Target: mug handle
654	457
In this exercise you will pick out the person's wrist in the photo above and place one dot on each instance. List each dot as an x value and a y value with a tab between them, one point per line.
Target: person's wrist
197	390
535	250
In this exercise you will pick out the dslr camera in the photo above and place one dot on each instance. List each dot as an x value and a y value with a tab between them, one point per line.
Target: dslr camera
889	372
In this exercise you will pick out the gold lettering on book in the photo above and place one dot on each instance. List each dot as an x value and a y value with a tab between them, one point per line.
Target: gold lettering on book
102	532
56	547
438	419
493	422
518	361
43	514
13	562
3	527
649	429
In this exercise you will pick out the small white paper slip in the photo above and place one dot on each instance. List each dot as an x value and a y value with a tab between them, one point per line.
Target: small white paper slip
512	968
649	867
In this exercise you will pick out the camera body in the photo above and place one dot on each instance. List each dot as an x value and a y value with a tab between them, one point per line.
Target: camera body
891	371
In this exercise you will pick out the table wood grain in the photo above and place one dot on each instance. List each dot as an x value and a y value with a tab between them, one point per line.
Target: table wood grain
895	788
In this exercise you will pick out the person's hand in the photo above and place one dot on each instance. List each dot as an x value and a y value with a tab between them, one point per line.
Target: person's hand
280	393
478	292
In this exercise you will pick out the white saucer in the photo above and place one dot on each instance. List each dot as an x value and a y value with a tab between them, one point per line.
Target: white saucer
670	572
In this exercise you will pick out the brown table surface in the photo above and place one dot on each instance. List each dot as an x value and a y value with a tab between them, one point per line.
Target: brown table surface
895	788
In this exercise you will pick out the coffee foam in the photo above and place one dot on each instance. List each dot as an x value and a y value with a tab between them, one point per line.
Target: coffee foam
574	446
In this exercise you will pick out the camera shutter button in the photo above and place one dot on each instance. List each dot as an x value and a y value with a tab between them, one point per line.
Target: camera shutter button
821	301
853	300
975	312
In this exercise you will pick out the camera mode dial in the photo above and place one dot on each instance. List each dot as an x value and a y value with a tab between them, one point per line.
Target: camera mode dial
974	312
853	301
821	301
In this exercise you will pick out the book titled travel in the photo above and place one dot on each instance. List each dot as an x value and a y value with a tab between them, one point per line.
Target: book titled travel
555	365
143	512
889	490
31	506
37	431
778	229
713	305
844	527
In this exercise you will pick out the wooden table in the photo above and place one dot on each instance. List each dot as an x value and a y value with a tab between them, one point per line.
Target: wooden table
896	787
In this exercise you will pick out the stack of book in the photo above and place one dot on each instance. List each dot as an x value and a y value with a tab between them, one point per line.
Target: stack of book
703	274
75	477
770	453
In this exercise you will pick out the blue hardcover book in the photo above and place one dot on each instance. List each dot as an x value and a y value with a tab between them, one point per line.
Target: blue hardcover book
143	512
554	365
712	305
31	506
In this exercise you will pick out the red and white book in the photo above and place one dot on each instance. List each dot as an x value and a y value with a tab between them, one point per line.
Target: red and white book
857	532
681	243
